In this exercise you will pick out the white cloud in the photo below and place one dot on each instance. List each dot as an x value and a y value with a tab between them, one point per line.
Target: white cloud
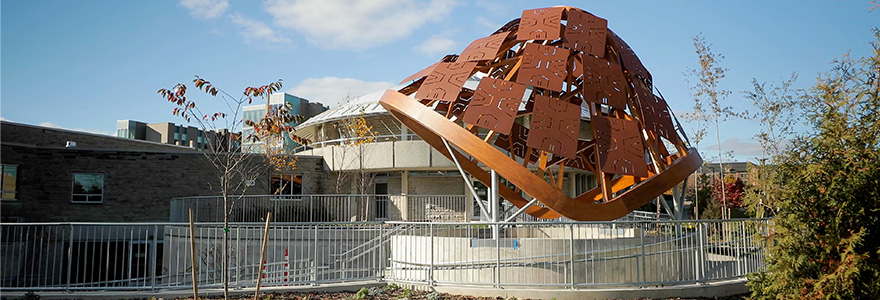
493	7
53	125
488	25
436	45
332	91
205	9
257	32
345	24
742	149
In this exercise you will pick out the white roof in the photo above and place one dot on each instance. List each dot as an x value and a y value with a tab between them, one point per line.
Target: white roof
369	105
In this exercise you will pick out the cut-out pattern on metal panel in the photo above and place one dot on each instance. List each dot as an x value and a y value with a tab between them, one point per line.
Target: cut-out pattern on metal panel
620	146
518	136
485	48
426	71
603	82
543	66
445	81
655	113
460	104
631	62
555	126
585	148
585	32
540	24
494	104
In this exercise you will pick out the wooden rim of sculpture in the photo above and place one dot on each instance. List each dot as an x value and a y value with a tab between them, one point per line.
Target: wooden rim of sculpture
557	90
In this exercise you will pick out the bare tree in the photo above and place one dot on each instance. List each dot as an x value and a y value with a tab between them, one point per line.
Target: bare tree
352	172
235	170
708	97
777	111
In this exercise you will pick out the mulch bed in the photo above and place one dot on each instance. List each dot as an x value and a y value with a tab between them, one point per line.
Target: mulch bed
393	292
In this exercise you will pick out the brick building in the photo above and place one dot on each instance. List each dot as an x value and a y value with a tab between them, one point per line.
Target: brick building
58	175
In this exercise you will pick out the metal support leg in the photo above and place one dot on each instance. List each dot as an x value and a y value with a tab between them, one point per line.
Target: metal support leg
493	204
521	210
467	182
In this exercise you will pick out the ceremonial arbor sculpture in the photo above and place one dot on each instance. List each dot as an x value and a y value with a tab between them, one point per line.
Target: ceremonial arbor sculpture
557	89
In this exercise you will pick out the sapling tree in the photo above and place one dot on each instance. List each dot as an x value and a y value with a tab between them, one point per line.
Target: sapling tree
777	111
353	169
709	97
235	170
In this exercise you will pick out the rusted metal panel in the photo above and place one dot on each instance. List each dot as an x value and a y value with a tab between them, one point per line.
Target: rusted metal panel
426	71
655	113
555	126
585	149
483	48
585	32
543	66
540	24
494	104
620	146
603	82
631	62
518	136
445	81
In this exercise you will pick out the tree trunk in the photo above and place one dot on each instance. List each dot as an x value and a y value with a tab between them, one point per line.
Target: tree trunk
225	254
724	215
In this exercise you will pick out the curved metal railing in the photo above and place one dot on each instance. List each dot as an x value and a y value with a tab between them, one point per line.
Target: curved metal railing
144	256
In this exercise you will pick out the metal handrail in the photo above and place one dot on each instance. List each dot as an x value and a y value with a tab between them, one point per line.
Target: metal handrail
32	252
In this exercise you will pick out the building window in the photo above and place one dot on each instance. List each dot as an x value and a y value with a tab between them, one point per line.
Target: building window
88	188
286	185
8	182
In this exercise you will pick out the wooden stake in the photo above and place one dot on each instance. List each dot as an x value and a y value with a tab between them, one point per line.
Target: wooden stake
263	255
192	245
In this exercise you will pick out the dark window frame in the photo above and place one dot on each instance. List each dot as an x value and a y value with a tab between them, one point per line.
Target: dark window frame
73	194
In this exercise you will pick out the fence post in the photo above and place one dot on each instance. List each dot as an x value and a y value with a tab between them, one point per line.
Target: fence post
704	239
381	269
315	258
644	268
70	257
571	253
431	246
155	249
497	235
741	237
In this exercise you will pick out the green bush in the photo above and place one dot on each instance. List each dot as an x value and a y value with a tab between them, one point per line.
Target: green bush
825	239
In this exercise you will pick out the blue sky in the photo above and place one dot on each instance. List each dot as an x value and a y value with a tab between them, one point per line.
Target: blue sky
85	64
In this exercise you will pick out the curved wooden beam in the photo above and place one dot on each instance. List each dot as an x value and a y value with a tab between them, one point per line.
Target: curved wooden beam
433	127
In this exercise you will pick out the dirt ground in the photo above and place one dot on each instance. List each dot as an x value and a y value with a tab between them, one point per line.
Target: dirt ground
393	292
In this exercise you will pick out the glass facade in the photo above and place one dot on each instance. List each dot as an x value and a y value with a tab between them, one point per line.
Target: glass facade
256	112
126	129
